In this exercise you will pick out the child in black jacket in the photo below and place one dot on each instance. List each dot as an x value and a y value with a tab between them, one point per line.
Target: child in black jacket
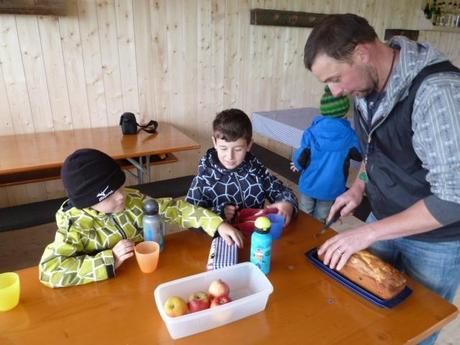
231	178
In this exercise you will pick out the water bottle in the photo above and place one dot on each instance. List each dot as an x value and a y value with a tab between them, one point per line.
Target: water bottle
152	224
261	244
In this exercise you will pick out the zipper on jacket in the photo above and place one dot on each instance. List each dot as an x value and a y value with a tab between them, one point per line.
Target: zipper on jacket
241	190
123	233
369	135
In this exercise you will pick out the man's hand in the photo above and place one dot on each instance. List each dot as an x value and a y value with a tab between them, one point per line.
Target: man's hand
338	249
122	251
230	234
347	202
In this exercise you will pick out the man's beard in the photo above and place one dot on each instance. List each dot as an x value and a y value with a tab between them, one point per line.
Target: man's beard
372	83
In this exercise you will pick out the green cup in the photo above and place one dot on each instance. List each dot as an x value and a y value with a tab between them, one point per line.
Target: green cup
9	291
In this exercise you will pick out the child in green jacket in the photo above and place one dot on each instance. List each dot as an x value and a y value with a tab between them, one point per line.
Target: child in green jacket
101	221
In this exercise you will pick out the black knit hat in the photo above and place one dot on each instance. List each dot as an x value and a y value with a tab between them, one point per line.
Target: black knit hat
90	176
333	106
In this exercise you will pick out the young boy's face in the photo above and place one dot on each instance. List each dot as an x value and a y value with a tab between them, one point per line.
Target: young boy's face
231	153
113	204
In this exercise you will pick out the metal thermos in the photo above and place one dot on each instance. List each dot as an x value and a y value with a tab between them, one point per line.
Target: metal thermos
154	229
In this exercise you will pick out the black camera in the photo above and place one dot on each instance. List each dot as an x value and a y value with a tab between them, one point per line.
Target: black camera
128	123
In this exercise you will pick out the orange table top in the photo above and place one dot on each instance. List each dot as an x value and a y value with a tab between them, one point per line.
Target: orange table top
38	151
306	306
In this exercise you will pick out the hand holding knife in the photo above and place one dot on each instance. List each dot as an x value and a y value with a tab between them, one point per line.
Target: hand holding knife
331	221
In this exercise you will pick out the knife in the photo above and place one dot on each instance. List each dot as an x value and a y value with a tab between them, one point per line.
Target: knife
331	221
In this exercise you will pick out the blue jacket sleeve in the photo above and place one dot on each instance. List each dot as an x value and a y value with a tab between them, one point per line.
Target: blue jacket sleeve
356	143
300	152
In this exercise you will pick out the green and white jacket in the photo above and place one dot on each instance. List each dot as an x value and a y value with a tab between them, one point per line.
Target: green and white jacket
82	249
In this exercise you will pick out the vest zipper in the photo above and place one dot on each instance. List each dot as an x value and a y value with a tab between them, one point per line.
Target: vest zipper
369	135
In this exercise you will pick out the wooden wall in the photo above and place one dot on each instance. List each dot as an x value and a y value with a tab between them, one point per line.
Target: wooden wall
179	61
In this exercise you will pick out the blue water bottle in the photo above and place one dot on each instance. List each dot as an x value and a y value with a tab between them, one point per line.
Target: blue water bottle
261	244
154	229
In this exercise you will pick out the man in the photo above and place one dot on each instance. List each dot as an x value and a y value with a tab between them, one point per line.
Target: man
407	115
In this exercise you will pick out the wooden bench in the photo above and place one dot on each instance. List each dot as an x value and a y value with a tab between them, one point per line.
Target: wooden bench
42	212
55	173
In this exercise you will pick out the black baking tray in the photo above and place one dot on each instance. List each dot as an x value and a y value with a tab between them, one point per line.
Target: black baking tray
312	255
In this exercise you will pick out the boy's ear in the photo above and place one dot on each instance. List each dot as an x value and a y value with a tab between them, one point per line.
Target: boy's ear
250	145
214	143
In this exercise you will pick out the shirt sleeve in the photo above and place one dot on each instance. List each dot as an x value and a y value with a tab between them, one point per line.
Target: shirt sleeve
188	216
276	191
195	194
445	212
436	139
62	263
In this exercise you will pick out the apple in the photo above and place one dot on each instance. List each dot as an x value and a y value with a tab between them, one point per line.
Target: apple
198	301
217	301
218	288
175	306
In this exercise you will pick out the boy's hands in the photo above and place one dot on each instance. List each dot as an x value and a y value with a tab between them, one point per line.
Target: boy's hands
229	212
284	208
122	251
293	168
230	234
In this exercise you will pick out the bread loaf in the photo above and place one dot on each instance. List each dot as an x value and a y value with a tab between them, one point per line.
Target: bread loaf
373	274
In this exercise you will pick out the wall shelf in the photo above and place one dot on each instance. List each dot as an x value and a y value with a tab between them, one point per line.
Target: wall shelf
442	29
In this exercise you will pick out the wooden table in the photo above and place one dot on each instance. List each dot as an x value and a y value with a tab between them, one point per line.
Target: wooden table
306	306
39	156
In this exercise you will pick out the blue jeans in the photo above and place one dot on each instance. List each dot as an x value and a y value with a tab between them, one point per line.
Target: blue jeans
317	208
436	265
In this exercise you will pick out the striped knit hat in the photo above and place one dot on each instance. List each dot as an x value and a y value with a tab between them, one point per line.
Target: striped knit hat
333	106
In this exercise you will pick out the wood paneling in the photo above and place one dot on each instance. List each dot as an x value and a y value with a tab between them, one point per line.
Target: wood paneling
179	61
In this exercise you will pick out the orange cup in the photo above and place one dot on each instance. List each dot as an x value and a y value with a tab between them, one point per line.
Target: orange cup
147	255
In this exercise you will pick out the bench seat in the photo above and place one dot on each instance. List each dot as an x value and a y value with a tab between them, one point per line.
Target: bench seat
42	212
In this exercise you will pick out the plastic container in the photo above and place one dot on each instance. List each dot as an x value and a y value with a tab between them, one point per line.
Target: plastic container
249	290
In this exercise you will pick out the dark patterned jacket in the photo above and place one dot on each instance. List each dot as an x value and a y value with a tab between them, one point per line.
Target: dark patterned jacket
247	186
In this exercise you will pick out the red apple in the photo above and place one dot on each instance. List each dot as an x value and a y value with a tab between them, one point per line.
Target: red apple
198	301
175	306
218	288
217	301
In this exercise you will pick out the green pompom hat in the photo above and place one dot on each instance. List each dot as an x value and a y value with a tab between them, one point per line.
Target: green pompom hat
331	106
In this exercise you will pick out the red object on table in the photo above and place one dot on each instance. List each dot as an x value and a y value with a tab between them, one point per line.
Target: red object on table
245	218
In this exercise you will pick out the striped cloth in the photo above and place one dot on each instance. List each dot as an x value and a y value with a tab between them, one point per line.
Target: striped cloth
221	254
285	126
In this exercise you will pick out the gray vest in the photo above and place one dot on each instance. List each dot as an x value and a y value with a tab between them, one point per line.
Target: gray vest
397	179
